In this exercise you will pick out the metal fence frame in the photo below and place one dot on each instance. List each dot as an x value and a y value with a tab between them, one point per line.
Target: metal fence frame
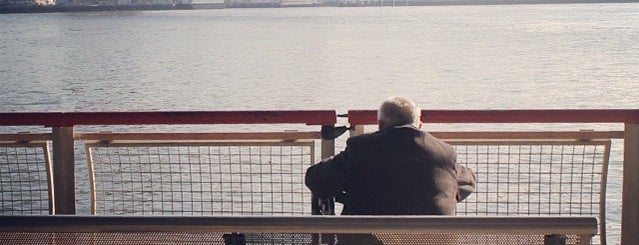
47	168
139	142
504	141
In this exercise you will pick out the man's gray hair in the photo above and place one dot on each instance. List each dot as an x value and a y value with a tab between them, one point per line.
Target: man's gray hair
398	111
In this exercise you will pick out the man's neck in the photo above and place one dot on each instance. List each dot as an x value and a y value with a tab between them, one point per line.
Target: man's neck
406	126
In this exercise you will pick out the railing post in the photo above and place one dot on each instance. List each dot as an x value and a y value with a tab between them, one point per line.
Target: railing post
328	148
630	197
324	206
356	130
63	170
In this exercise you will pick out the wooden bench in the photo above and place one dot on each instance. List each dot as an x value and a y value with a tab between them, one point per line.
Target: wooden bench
450	230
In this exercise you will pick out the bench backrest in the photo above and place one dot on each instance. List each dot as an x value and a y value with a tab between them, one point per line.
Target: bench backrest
297	230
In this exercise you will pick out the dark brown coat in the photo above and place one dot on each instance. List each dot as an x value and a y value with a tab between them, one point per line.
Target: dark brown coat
395	171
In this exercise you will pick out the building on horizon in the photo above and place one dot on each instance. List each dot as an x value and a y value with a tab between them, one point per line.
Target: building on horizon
121	2
27	2
252	3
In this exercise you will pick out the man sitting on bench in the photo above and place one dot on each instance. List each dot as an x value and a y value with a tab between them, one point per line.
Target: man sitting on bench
398	170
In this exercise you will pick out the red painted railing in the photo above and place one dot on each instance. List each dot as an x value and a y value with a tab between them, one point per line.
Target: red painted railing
319	117
365	117
64	119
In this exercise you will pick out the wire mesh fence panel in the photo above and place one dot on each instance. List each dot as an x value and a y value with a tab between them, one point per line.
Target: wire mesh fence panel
25	170
537	178
200	178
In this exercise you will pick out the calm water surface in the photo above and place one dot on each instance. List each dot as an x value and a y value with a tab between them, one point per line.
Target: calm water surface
459	57
449	57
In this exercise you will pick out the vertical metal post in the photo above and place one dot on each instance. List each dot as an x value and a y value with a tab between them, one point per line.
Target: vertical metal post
47	157
63	170
91	171
630	197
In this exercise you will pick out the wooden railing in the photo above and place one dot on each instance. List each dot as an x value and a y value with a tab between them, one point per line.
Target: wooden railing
63	137
63	134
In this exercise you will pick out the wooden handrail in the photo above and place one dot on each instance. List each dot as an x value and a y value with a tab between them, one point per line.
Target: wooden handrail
576	135
301	224
25	137
367	117
295	135
198	136
65	119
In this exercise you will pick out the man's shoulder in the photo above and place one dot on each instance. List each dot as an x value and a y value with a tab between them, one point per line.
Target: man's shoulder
363	138
440	146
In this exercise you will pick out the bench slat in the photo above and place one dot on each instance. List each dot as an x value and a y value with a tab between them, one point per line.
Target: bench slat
303	224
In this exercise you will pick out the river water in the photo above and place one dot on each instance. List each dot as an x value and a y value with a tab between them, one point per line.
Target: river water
577	56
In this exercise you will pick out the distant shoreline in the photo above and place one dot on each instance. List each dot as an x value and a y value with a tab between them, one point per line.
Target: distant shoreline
54	9
485	2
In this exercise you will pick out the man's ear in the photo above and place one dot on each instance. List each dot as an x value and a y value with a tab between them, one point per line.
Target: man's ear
420	124
380	125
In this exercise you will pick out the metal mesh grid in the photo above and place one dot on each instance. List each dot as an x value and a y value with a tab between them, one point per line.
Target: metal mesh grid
276	238
536	178
210	178
484	239
24	178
